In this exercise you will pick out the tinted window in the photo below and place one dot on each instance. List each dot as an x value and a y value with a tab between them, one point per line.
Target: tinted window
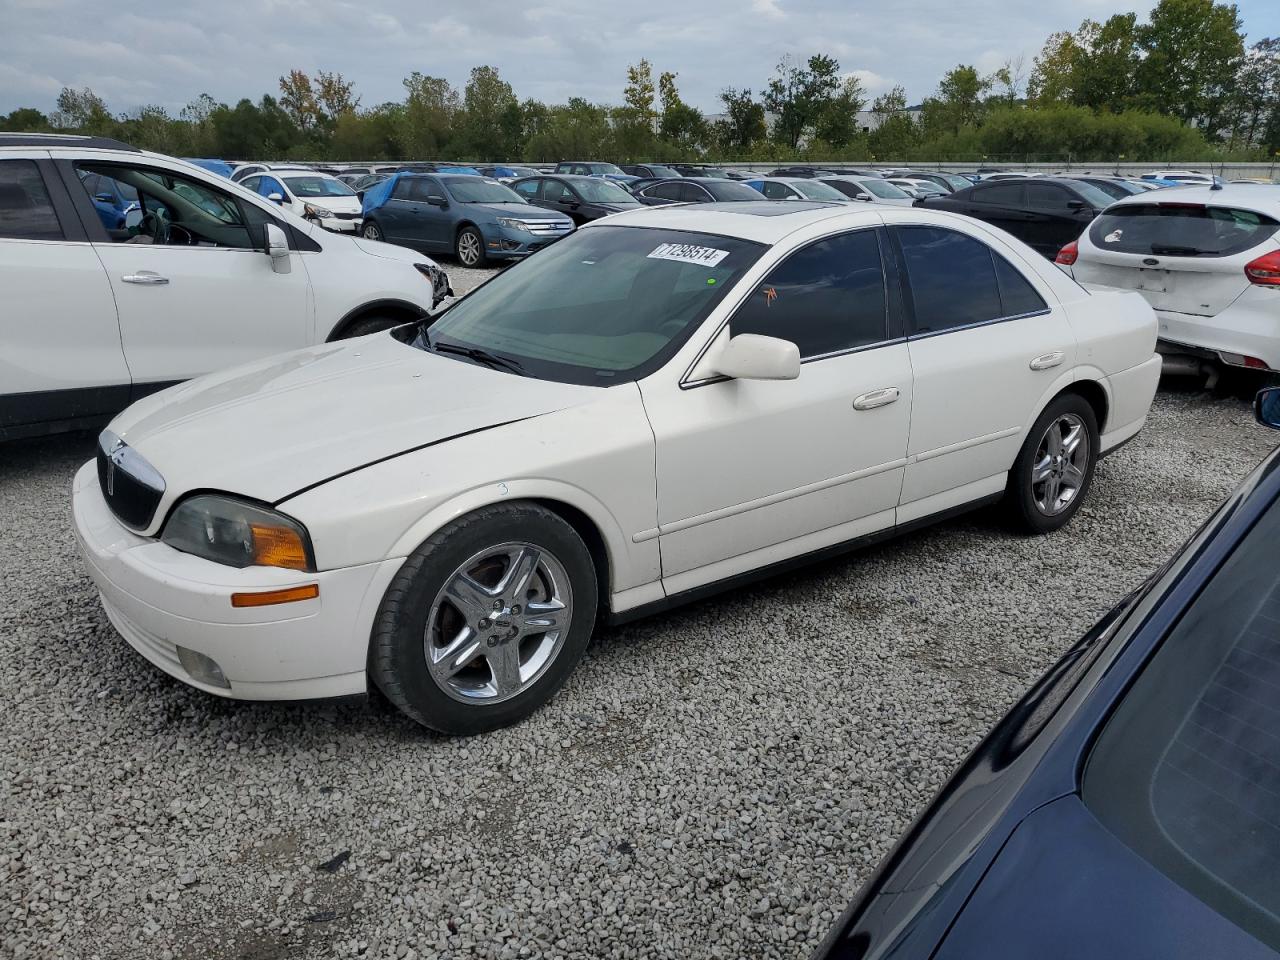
1006	194
692	193
778	191
826	297
1187	770
1017	295
26	212
952	278
527	189
665	191
1049	197
732	190
1169	229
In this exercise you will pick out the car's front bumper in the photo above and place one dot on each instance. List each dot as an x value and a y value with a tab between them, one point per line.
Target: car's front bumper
506	244
161	600
341	225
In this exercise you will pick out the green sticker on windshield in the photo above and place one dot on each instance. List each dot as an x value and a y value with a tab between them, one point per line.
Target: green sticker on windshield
711	281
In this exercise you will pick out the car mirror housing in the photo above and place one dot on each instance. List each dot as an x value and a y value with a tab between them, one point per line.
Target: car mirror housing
277	248
1266	407
751	356
437	202
275	198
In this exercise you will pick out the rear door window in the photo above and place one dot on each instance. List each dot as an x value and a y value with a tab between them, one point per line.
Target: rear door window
952	279
26	212
1180	229
1187	770
1004	194
1048	197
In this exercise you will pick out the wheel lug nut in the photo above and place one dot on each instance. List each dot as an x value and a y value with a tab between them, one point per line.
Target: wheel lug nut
516	608
497	604
483	624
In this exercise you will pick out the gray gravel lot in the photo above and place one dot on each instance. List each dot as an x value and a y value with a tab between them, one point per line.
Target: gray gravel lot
714	782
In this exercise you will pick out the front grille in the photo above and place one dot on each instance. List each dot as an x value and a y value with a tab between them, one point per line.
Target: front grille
347	216
130	485
548	228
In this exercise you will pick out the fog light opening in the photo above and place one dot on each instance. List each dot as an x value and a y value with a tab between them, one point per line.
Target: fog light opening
202	669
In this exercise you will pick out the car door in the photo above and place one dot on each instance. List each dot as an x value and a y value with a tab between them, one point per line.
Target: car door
999	204
985	346
436	213
753	471
531	191
399	211
60	353
1057	217
193	286
559	196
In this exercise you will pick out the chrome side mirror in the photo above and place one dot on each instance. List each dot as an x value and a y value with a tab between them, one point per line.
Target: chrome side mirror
277	248
1266	407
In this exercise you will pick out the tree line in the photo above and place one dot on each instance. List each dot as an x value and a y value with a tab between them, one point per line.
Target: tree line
1180	85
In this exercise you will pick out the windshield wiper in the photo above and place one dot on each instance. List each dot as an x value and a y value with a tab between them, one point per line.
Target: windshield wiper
478	354
1173	250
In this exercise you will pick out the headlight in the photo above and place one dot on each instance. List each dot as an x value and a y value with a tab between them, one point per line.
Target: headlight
239	534
513	224
313	211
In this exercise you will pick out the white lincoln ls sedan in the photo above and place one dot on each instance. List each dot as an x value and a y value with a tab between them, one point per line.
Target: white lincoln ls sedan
664	403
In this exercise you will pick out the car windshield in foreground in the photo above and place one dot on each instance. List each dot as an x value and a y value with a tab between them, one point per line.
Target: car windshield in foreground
1180	229
604	305
468	189
1187	770
814	190
604	191
883	189
318	187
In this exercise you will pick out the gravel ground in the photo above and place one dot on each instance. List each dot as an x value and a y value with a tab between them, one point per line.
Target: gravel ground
713	782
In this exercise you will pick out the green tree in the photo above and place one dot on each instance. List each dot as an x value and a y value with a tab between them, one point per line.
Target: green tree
837	123
1054	72
485	123
634	120
1192	50
431	108
895	132
1107	68
83	110
743	125
959	101
799	95
26	120
1255	105
335	95
681	126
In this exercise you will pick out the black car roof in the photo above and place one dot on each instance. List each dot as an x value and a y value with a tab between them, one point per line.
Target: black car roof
63	140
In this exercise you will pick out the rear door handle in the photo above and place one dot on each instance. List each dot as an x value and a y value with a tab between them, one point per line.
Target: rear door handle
1047	360
876	398
146	277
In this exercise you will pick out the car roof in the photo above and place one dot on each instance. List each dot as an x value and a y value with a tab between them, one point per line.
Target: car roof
764	221
63	140
784	179
1260	197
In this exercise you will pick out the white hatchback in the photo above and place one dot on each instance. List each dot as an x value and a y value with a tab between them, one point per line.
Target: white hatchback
313	196
1206	258
667	402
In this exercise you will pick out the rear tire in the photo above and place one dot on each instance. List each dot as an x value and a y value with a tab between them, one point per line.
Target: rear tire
486	620
1054	469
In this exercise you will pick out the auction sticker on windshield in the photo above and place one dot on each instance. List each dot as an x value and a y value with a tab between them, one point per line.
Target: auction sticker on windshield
688	253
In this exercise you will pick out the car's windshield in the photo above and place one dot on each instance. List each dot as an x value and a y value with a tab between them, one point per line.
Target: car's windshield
883	189
732	190
956	181
603	168
604	305
603	191
813	190
1187	770
467	189
656	171
318	187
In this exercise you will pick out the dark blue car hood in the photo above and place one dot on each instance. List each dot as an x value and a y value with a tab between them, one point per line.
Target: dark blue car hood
1064	887
520	211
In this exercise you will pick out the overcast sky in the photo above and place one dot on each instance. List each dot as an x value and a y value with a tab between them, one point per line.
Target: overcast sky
168	53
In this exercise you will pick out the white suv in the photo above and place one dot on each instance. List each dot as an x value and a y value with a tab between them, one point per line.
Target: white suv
125	271
1206	258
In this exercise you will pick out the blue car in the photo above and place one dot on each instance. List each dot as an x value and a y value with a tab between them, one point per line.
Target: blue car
472	217
220	167
1129	805
113	201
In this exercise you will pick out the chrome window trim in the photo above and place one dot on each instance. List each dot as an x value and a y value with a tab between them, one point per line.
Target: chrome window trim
980	323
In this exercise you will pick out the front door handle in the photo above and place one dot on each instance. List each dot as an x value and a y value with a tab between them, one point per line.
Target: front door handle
146	277
1047	360
876	398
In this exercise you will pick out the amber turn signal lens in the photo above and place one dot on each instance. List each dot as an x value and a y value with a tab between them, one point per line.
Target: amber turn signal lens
265	599
275	546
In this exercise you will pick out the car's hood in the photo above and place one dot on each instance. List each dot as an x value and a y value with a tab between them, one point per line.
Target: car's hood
517	211
388	251
270	428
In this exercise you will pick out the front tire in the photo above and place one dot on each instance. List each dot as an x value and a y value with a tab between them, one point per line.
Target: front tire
371	231
1054	469
486	620
469	248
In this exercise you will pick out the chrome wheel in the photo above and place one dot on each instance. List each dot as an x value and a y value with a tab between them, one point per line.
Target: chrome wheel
498	623
469	251
371	232
1061	465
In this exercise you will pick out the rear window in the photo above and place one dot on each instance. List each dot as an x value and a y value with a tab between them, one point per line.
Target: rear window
1187	770
1180	230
